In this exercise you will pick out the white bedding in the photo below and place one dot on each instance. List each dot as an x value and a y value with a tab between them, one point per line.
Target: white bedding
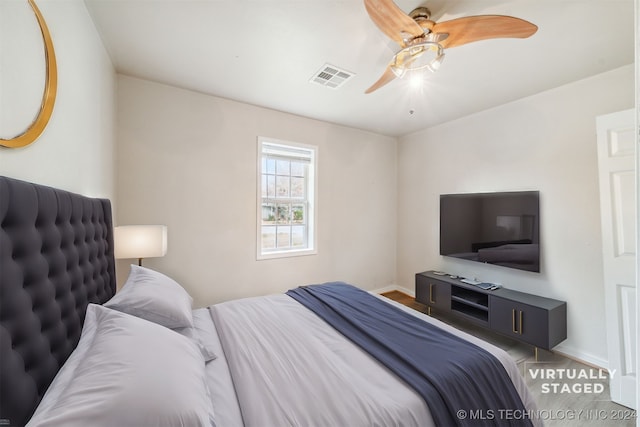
290	368
271	363
222	392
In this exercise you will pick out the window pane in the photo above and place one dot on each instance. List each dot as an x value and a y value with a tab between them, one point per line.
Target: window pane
271	166
271	186
268	237
263	186
268	213
283	214
297	214
298	236
282	186
297	188
284	237
297	169
282	167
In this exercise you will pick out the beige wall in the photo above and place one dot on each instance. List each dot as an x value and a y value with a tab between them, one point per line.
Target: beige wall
545	142
188	160
76	150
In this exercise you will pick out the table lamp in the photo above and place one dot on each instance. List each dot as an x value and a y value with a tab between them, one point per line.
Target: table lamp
140	241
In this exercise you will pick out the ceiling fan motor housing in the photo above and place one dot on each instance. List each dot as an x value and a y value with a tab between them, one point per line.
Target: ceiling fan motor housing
420	13
422	16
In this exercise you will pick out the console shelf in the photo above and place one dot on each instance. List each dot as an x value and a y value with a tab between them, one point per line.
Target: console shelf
465	303
475	314
536	320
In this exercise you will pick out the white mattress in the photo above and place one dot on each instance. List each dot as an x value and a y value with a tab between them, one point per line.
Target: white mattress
291	368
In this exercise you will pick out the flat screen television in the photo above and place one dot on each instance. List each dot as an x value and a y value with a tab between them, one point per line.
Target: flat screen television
494	228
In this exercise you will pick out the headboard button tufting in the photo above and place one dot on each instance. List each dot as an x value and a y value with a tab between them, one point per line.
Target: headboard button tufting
46	284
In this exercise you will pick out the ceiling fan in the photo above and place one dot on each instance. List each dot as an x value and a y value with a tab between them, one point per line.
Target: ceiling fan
422	41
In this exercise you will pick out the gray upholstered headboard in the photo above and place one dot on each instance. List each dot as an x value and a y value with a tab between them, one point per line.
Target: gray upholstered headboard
56	257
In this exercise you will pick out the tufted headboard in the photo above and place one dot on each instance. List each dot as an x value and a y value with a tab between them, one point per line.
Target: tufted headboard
56	257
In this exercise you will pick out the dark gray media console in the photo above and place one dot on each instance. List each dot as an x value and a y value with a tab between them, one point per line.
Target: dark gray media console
539	321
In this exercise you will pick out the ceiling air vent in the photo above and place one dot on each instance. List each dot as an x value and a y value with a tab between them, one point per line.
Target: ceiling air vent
331	76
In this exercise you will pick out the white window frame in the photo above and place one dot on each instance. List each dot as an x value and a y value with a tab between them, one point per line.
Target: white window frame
311	199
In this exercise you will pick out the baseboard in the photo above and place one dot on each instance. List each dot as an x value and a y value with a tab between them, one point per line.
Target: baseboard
580	356
410	292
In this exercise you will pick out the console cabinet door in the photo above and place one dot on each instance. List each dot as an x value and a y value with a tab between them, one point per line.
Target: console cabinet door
433	293
520	321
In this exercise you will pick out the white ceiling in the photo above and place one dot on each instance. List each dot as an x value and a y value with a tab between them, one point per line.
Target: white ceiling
264	52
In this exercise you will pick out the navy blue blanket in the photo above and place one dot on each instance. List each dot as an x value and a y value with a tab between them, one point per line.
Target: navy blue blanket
449	373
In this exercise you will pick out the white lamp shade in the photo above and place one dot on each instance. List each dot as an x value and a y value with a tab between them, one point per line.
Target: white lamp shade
140	241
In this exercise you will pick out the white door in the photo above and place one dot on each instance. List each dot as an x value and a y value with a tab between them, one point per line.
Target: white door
616	163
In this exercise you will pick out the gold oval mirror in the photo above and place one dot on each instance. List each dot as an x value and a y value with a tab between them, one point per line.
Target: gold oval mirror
50	89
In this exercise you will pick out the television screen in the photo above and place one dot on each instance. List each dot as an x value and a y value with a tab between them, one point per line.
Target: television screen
493	228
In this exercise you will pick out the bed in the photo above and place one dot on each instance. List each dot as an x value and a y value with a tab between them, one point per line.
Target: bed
72	352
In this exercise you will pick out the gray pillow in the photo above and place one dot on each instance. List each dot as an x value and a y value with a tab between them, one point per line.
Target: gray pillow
153	296
131	373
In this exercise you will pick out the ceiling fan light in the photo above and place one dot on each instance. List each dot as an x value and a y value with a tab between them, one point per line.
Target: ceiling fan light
434	65
416	80
415	50
399	71
410	58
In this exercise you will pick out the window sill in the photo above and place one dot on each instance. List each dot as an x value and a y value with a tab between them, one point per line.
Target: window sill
286	254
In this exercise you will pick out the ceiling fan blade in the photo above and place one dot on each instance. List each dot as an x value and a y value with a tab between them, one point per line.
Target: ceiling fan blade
475	28
392	20
387	77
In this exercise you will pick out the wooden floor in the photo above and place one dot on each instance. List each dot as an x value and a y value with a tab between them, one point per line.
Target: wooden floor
561	402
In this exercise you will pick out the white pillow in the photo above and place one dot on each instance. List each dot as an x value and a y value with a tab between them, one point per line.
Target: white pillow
134	373
154	297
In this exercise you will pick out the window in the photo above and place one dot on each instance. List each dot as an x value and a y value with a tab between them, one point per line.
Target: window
286	199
